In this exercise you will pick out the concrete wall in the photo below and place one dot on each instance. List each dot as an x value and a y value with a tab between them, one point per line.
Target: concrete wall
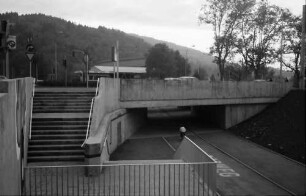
158	93
235	114
106	101
116	127
110	123
226	116
189	152
15	107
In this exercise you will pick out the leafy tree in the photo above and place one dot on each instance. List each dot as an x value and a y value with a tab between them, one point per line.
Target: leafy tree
258	33
161	62
224	16
289	52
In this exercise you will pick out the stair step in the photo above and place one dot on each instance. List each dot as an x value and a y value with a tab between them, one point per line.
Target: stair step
37	101
55	107
73	98
56	132
58	136
62	111
65	93
39	123
61	103
58	127
56	142
59	119
55	158
56	152
54	147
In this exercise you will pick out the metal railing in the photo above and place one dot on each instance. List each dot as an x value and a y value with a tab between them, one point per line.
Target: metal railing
90	113
123	179
31	109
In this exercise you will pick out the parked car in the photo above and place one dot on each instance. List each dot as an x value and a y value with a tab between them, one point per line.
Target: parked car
3	77
187	78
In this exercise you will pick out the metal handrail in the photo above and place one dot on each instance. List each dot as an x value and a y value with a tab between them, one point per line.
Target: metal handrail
97	88
89	122
90	114
31	115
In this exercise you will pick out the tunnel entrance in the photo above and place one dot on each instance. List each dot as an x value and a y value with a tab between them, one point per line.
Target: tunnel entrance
175	117
152	141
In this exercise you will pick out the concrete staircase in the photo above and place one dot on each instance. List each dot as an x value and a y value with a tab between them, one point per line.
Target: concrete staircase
59	125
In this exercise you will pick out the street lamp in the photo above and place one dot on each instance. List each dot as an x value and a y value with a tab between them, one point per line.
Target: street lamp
85	54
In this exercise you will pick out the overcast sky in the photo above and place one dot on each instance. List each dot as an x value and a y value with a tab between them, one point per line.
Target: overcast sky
170	20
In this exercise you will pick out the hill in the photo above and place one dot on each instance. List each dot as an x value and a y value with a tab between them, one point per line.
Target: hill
196	58
52	34
280	127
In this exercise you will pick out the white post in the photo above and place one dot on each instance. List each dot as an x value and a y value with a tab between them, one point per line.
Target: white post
87	70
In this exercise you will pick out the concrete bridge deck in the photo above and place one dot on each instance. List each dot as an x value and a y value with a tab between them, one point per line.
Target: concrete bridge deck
160	93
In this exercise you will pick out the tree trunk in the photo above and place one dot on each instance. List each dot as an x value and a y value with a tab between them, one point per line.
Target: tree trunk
296	79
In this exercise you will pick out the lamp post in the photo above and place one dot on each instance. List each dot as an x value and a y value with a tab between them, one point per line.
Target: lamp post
187	59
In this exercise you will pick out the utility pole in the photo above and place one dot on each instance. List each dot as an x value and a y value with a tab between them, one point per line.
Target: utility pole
87	70
55	60
117	45
303	50
7	54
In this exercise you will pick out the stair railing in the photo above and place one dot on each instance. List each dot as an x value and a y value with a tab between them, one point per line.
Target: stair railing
31	109
90	113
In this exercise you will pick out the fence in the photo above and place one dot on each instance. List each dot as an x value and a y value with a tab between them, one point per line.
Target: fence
123	179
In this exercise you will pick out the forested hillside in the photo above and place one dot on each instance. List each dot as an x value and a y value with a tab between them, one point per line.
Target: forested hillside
50	33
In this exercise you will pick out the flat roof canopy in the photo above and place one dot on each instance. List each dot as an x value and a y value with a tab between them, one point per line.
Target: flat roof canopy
110	69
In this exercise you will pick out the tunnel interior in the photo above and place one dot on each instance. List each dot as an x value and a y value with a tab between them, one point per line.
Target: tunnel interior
159	136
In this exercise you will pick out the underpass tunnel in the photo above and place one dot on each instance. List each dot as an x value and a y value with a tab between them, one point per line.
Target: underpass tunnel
195	118
158	138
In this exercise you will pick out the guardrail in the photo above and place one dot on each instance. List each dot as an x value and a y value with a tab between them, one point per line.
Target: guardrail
123	179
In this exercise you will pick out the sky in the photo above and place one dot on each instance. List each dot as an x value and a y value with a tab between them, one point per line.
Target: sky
169	20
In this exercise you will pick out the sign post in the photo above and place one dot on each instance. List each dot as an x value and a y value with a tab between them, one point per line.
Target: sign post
30	54
303	50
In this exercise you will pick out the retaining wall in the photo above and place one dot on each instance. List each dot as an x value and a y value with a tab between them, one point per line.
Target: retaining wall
15	107
111	125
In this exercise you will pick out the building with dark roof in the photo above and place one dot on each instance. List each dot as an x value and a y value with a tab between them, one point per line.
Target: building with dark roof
128	68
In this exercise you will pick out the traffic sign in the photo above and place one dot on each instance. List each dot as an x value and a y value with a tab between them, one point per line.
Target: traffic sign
30	55
11	42
30	48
